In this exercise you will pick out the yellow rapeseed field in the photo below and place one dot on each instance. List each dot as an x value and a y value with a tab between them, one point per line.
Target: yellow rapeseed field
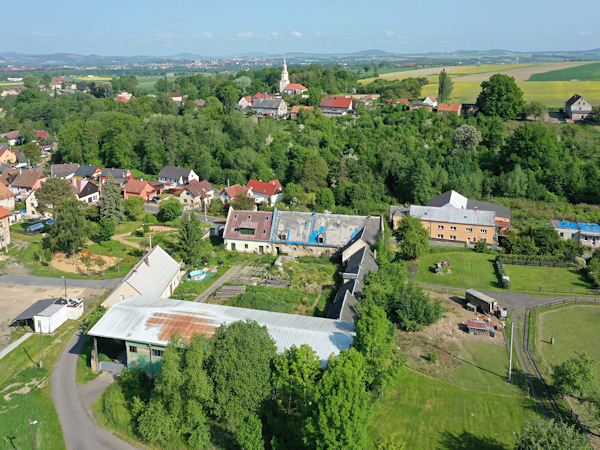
11	84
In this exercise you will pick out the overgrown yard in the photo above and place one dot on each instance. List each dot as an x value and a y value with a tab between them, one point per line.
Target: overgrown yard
430	414
546	277
469	270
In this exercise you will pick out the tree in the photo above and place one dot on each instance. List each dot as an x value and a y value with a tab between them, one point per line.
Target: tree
112	201
466	137
28	131
249	431
445	87
243	83
240	368
412	309
339	413
217	206
70	228
536	109
241	202
412	236
52	194
134	207
30	82
481	247
312	173
32	152
540	434
500	96
575	376
46	79
324	198
28	96
169	210
189	238
106	229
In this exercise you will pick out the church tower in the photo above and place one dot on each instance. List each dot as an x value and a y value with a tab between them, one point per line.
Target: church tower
285	80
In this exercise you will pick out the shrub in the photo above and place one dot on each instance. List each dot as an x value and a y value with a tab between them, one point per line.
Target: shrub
481	247
432	357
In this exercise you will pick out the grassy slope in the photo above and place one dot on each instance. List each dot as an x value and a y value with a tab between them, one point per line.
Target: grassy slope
431	414
587	72
521	276
573	328
285	300
469	270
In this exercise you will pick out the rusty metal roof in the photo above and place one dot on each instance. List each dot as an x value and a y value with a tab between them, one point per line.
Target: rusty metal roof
152	320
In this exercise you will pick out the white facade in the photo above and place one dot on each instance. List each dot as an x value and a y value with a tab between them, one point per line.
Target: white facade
248	246
285	79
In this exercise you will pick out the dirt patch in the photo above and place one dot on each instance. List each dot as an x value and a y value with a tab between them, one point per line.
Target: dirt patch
10	386
423	72
33	384
75	264
522	74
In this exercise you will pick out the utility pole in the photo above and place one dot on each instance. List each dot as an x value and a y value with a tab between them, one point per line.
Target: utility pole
41	346
31	431
512	327
205	219
65	280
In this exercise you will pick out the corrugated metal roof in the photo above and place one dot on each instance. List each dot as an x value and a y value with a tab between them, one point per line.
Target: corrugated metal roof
153	273
451	214
50	310
151	320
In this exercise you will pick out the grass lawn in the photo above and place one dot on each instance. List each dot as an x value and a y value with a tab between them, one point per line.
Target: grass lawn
547	277
284	300
430	414
573	328
308	271
587	72
469	270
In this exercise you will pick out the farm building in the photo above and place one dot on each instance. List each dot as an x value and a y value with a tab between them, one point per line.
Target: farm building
248	231
484	302
588	234
47	315
479	327
577	108
145	324
156	275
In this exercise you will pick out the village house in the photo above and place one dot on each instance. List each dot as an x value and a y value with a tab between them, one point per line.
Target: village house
7	156
4	228
176	97
296	109
270	192
88	172
248	231
430	100
261	95
337	105
121	99
419	105
294	88
445	108
12	90
275	107
196	194
86	191
177	176
123	94
245	102
13	137
138	188
200	103
7	198
229	194
31	205
587	234
64	171
27	181
121	176
156	275
577	108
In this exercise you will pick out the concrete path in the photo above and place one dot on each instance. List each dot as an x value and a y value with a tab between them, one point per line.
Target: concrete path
5	351
226	277
78	428
27	280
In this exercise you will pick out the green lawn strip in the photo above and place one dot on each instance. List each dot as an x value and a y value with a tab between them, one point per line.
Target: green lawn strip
547	277
197	287
432	414
586	72
284	300
469	270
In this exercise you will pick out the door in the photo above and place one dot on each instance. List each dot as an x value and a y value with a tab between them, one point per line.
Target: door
233	246
261	249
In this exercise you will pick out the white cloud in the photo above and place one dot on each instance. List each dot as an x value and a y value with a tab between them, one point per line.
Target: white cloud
37	33
275	35
584	33
389	33
206	34
403	37
245	35
296	34
318	33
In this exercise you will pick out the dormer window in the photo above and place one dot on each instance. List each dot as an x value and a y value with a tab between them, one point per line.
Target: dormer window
235	216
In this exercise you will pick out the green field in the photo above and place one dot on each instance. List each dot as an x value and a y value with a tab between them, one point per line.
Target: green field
573	328
587	72
547	277
469	270
432	414
550	93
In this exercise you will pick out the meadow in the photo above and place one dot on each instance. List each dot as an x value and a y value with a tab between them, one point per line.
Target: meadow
547	277
587	72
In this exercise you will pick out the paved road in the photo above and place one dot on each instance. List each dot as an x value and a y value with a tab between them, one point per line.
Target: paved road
5	351
227	276
79	430
26	280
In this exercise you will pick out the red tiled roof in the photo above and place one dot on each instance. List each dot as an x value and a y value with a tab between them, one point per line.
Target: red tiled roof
4	150
296	109
28	178
4	212
432	97
121	99
11	134
137	186
176	94
295	87
259	221
449	107
42	134
59	80
199	188
336	101
270	188
262	95
5	192
235	190
502	224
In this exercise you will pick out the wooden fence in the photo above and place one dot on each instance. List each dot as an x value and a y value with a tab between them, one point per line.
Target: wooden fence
559	290
518	262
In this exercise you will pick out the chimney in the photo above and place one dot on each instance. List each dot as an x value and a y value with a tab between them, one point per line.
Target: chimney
475	209
146	260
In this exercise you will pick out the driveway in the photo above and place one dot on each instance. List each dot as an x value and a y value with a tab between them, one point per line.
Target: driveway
78	428
153	209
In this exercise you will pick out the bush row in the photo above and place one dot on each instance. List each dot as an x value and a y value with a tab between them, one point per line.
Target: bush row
502	275
543	258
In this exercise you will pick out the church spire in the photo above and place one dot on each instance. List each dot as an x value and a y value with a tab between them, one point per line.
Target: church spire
285	80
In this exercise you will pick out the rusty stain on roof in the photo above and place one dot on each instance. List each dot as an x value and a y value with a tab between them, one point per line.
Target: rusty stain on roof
186	324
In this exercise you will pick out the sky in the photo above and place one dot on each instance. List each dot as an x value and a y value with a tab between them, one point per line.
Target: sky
228	27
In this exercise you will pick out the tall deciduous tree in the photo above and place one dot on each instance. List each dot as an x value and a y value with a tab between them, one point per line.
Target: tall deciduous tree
30	82
312	173
112	201
501	97
240	367
32	152
413	238
53	192
445	86
169	210
189	238
324	198
466	137
70	229
575	376
134	207
339	415
540	434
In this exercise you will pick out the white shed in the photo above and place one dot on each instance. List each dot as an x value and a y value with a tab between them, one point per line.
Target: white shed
57	313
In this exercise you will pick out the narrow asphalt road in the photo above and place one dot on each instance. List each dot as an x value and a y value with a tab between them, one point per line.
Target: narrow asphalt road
27	280
79	430
227	276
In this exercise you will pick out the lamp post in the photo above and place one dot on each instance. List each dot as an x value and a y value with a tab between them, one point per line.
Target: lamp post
65	280
31	431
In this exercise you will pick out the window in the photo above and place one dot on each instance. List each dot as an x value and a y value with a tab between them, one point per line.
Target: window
235	216
132	349
440	227
157	352
469	230
452	228
246	246
452	238
482	231
267	219
264	231
247	231
483	239
563	235
440	236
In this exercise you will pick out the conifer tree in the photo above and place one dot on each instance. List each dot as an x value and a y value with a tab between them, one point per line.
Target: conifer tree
112	202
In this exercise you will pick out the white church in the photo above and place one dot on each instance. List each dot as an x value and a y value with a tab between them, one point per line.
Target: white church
285	87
